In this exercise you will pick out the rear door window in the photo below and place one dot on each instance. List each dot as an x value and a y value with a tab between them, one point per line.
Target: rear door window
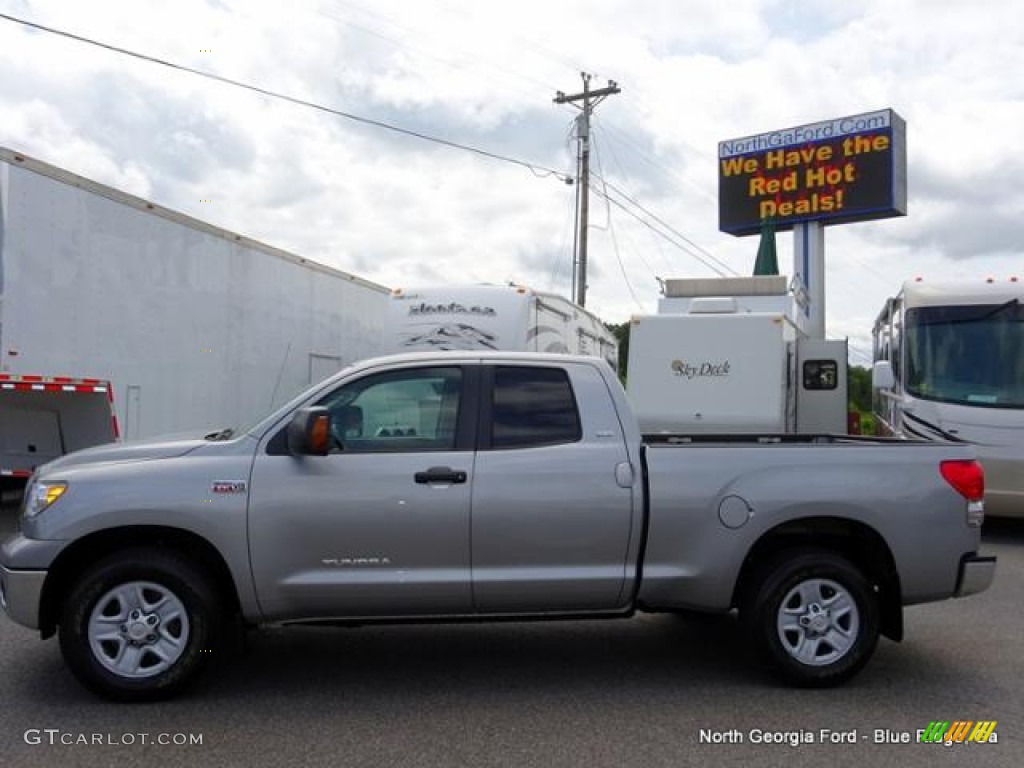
532	407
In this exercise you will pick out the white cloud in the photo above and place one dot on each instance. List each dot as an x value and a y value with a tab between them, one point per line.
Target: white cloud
398	210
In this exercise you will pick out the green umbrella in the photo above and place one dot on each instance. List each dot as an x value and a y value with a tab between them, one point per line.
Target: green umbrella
767	262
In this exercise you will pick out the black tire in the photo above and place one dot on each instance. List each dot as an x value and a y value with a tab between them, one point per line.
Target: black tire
814	617
140	625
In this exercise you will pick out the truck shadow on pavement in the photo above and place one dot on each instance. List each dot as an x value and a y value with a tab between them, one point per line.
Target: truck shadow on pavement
648	657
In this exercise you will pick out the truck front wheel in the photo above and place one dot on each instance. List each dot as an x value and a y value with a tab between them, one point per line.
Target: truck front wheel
814	615
139	625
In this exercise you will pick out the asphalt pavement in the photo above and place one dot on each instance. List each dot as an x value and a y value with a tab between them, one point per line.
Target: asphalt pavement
655	690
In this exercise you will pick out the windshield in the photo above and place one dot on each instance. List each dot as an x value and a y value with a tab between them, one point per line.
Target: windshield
967	355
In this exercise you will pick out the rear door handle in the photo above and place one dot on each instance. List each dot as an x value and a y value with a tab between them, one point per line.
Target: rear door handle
440	475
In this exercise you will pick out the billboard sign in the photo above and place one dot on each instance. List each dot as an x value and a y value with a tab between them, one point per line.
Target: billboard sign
848	169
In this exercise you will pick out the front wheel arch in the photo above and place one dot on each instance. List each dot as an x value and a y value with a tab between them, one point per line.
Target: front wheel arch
140	625
83	553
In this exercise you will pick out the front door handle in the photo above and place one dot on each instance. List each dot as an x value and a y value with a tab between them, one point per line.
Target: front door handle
440	475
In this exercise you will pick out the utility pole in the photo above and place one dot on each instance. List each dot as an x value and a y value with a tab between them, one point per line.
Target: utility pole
590	100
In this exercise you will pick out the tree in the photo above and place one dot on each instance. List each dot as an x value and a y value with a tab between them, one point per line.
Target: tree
621	333
860	388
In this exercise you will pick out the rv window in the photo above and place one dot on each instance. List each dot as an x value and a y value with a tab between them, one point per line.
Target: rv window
821	374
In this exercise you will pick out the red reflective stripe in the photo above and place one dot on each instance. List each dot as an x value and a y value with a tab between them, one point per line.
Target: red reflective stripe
67	385
16	472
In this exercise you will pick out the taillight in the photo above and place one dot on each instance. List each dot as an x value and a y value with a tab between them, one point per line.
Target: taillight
967	478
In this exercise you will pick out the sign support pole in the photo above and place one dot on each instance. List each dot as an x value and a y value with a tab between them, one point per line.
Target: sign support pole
809	272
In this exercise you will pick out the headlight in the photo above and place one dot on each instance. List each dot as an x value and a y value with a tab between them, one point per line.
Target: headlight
42	495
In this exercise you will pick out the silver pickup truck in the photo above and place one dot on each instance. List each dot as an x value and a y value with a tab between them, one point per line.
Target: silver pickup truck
465	485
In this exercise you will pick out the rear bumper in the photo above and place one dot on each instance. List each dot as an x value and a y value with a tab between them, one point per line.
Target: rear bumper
976	575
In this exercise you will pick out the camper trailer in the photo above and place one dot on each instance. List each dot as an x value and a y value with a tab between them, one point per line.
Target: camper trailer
496	317
723	356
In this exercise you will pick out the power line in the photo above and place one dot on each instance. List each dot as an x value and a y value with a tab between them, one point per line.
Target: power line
637	205
857	352
614	236
611	226
622	267
661	234
691	249
420	34
537	170
660	166
655	240
673	230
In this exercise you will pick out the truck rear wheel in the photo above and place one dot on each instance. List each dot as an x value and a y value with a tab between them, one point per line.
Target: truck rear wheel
139	625
814	616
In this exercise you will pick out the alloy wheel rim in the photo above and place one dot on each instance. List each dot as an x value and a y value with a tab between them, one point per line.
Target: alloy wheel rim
138	629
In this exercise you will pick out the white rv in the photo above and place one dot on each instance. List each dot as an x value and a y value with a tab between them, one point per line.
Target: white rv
506	317
950	366
110	304
723	356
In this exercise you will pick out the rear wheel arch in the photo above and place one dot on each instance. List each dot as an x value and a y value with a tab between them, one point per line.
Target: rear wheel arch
856	542
813	615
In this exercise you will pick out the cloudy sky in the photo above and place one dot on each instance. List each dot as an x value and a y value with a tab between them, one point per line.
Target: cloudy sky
403	211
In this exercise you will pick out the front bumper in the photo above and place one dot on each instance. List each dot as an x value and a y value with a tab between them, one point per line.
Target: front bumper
24	563
20	595
976	575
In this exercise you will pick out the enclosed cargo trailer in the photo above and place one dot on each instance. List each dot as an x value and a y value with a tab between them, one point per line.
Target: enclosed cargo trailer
188	326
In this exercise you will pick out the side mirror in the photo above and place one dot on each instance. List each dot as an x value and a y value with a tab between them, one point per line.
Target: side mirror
882	376
309	432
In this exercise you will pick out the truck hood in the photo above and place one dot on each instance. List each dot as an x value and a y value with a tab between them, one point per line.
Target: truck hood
161	448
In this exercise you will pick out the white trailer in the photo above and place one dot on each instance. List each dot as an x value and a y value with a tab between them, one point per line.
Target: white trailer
724	357
184	326
950	366
506	317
